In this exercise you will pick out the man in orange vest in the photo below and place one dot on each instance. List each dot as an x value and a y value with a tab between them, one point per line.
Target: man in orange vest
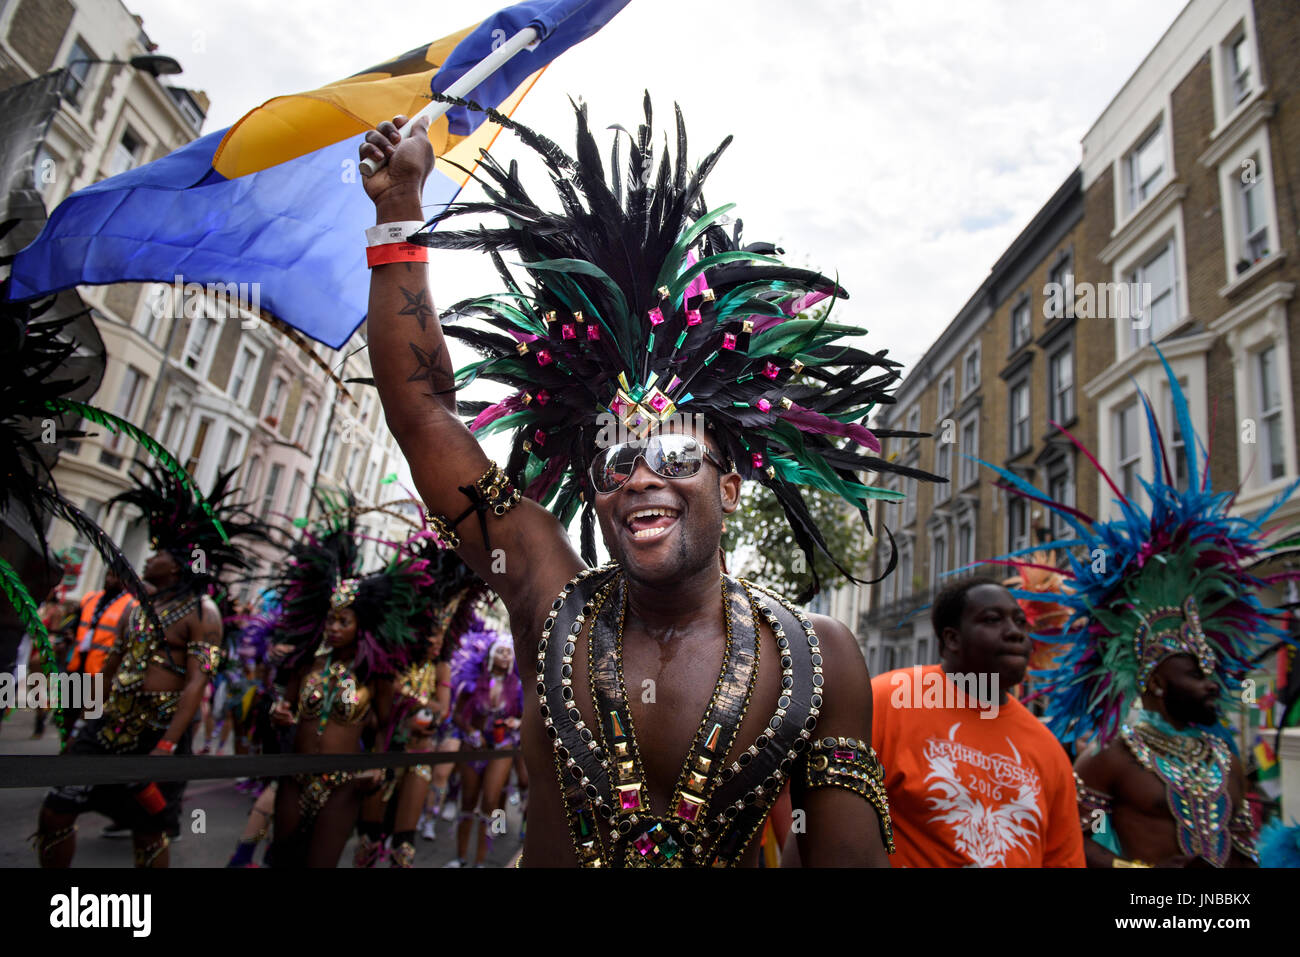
104	614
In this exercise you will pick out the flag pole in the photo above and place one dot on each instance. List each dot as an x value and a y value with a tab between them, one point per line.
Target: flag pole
525	38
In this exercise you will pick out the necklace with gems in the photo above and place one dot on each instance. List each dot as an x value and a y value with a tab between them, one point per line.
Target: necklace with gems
716	808
1194	767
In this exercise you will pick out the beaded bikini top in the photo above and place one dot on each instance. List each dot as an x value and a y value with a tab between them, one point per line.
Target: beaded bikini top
716	808
333	693
1194	767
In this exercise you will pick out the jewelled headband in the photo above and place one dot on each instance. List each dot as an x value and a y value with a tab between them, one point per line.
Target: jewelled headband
642	307
1169	631
345	593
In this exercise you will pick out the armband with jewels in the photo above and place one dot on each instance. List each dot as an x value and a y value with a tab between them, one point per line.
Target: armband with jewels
491	491
1121	862
1090	801
1242	830
852	765
209	656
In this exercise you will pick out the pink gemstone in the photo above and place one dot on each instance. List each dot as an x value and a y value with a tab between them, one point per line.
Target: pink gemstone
543	357
658	401
643	844
543	397
728	340
569	331
618	407
687	810
656	316
843	755
630	799
693	317
764	405
758	460
771	370
593	333
673	383
539	437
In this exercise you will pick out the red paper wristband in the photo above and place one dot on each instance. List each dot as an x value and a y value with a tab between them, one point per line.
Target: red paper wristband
395	253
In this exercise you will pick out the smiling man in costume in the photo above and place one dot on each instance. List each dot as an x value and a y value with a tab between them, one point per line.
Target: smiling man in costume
668	702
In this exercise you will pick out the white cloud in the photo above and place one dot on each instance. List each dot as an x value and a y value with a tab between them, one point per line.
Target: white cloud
900	145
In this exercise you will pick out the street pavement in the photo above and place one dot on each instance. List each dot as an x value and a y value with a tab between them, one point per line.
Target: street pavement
207	839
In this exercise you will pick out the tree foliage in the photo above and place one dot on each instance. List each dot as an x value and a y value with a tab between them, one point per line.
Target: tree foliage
759	545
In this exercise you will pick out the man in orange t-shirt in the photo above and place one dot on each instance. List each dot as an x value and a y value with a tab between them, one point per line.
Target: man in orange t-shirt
974	779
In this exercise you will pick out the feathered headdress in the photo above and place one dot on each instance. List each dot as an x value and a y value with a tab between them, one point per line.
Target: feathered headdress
642	306
470	672
451	600
1177	579
199	535
323	572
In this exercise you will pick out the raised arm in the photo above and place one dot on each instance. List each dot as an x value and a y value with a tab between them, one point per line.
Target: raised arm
530	556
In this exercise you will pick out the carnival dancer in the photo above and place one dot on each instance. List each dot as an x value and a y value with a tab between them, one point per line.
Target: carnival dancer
351	634
974	779
423	703
157	675
648	383
1165	608
101	623
485	715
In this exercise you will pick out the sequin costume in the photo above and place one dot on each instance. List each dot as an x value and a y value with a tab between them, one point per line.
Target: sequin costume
1181	579
135	719
482	701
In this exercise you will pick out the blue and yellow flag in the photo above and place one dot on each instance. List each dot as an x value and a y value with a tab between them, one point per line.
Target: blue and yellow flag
276	198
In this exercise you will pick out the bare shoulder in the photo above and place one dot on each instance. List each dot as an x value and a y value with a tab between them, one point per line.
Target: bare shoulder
1098	767
839	646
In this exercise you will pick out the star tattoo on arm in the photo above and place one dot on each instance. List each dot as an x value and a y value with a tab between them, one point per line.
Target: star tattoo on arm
428	369
417	304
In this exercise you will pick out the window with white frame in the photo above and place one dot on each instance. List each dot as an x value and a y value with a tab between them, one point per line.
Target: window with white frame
201	338
1252	205
1174	444
924	656
306	421
965	543
938	558
197	446
230	450
77	71
371	467
909	502
1156	311
365	408
268	496
1273	455
275	399
1060	488
127	153
251	474
1237	68
946	397
914	420
1128	452
1019	417
173	426
1021	324
331	446
904	571
1017	523
151	307
970	370
1060	385
1145	168
1062	276
970	450
128	397
295	490
352	466
243	374
943	468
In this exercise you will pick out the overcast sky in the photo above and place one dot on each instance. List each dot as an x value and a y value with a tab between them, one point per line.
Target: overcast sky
901	145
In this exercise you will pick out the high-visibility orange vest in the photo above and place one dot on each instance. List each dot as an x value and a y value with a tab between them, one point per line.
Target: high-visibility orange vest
106	631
